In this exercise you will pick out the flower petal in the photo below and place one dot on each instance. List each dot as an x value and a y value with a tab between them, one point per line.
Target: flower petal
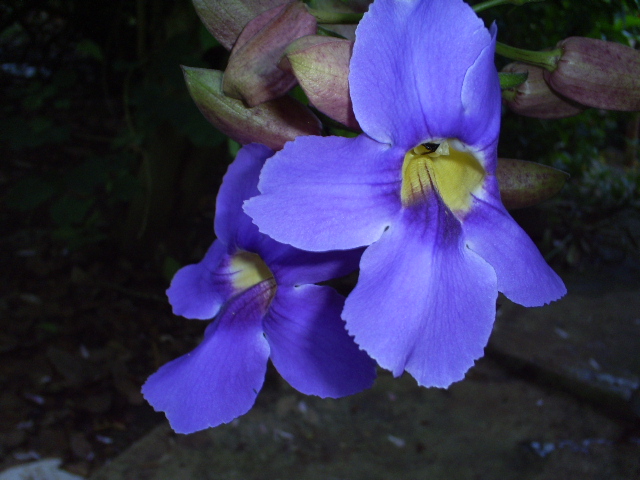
523	274
239	183
220	379
328	193
424	303
415	65
482	98
310	346
291	266
198	291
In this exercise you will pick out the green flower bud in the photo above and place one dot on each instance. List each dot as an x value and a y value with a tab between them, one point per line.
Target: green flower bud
272	123
534	98
523	184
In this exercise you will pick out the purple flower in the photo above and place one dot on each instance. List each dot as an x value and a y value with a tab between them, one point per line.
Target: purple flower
265	305
418	187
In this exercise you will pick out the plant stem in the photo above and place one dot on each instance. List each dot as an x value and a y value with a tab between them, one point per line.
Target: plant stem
479	7
548	59
494	3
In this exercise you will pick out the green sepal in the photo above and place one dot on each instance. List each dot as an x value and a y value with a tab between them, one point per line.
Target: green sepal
511	80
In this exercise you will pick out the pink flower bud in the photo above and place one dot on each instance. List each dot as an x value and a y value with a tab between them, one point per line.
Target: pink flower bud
321	65
252	73
225	19
523	184
598	74
272	123
534	98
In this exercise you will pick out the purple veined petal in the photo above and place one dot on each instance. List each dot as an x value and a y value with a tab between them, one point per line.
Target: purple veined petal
424	302
482	98
198	291
328	193
410	61
291	266
239	183
220	379
310	346
523	274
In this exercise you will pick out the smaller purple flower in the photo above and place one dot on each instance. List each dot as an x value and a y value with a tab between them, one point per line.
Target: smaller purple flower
266	306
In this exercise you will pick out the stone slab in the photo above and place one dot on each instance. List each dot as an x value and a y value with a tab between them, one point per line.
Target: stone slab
588	344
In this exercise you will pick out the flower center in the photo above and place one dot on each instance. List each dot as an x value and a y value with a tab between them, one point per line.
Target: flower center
248	270
439	167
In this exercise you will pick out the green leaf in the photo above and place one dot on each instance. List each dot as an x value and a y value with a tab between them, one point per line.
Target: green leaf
90	49
29	193
69	210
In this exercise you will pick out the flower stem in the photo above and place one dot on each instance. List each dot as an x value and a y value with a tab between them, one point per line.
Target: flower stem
547	59
325	16
494	3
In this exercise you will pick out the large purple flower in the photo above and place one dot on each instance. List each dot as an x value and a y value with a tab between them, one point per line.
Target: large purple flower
419	187
265	305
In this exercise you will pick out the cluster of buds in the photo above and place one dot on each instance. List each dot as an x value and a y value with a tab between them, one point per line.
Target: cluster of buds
275	46
578	73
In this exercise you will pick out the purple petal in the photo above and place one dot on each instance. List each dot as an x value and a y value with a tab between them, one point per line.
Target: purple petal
239	183
198	291
523	275
220	379
416	68
310	346
482	98
291	266
424	303
329	193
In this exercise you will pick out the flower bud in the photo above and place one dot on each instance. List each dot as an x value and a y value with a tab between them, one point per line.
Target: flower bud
523	184
534	98
272	123
225	19
252	73
321	65
346	30
597	73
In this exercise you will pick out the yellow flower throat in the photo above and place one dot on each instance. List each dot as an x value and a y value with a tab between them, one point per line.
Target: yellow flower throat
453	174
248	270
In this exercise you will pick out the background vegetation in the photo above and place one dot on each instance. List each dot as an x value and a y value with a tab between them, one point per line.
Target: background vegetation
103	146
